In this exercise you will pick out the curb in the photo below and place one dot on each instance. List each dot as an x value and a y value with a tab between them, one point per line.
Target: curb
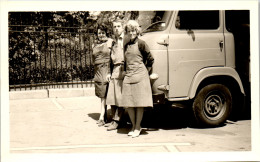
52	93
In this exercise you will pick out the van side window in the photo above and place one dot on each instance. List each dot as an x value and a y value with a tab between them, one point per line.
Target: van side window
199	20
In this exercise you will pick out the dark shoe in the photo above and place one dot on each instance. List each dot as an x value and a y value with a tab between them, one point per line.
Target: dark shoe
113	126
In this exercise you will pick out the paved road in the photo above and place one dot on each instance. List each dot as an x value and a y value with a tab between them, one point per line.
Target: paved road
68	125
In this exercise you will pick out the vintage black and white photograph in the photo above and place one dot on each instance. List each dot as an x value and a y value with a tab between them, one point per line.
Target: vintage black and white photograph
131	81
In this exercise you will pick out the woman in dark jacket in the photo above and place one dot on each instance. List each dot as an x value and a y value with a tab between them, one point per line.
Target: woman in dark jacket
136	91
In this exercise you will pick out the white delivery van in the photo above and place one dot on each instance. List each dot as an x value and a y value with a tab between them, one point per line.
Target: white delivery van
195	61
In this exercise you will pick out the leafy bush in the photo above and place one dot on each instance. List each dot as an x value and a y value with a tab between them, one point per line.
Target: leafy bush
47	47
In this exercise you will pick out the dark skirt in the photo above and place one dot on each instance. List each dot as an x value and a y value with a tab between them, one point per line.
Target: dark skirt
101	85
101	89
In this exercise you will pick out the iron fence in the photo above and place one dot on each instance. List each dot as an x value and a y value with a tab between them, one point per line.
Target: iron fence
48	54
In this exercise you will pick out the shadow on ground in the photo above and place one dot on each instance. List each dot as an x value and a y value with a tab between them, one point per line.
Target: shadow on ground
166	118
155	119
95	116
162	118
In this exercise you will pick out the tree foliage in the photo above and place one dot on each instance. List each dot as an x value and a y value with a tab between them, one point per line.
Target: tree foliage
54	46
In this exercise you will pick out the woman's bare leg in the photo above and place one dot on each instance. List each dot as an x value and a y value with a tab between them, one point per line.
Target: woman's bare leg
132	116
102	113
139	117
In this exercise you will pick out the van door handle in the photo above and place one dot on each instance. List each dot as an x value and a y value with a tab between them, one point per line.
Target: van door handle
221	44
163	42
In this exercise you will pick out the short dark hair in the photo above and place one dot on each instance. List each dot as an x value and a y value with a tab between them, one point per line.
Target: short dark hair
102	27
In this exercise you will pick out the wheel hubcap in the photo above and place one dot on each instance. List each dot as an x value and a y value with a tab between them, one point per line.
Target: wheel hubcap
214	106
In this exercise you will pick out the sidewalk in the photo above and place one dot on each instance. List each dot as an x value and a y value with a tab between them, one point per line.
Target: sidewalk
52	93
68	125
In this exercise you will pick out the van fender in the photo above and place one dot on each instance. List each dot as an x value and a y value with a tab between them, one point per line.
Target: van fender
213	71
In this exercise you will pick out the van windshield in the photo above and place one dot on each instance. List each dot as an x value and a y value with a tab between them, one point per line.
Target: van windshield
159	21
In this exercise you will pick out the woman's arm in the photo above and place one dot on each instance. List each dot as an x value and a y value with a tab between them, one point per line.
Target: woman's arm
147	55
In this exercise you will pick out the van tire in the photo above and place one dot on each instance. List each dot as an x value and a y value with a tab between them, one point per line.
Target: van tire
212	105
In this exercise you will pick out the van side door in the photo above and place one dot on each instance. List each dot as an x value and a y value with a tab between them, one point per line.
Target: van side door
196	41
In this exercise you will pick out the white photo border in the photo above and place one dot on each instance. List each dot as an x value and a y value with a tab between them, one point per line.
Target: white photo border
20	5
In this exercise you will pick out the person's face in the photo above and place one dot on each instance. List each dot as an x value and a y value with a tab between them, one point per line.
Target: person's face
117	28
132	34
101	34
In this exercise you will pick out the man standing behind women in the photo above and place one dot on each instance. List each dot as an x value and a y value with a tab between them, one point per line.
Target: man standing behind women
101	59
136	91
114	97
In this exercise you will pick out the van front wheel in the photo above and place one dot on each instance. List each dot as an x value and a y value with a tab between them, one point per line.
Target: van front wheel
212	105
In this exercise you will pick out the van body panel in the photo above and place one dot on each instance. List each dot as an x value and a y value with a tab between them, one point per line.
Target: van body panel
213	71
229	49
189	52
159	53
